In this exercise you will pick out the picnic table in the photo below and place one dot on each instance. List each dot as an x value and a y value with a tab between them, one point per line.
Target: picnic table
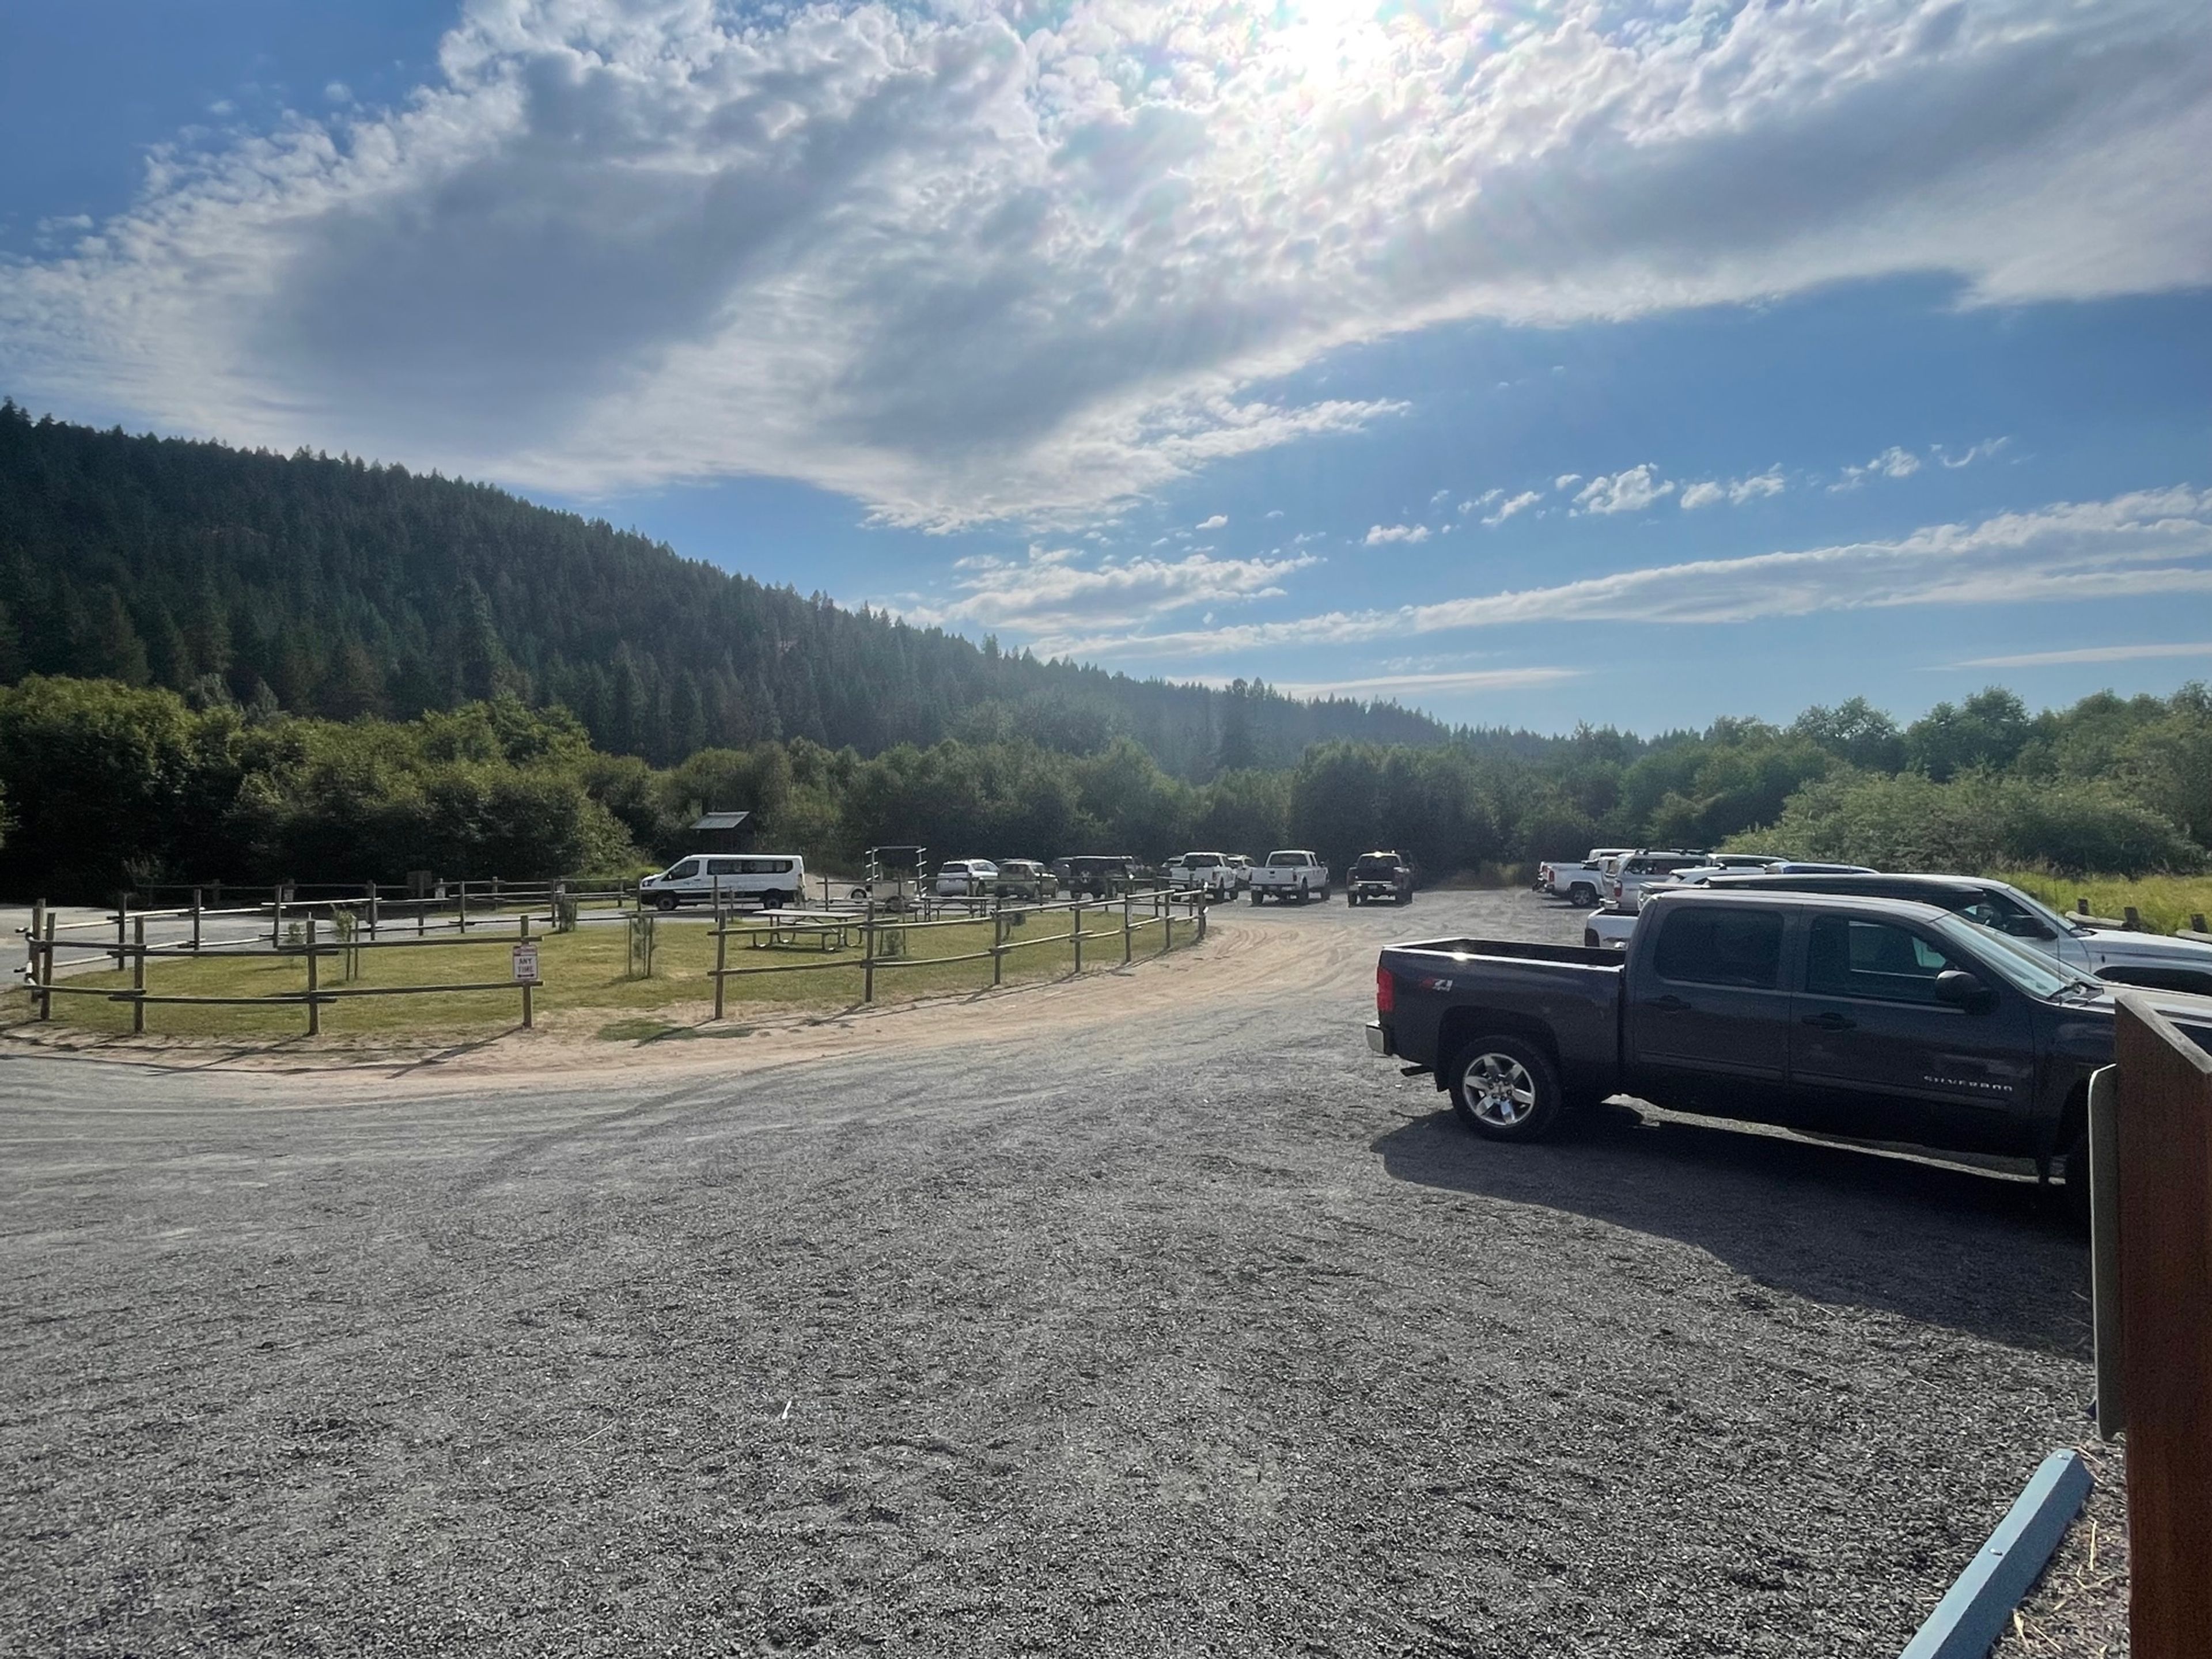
828	930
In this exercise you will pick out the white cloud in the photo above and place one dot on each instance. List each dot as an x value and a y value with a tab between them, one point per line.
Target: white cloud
1213	523
2089	653
1506	509
968	262
1566	480
1891	463
2149	543
1050	592
1981	452
1394	685
1631	491
1377	535
1274	512
1483	499
1735	492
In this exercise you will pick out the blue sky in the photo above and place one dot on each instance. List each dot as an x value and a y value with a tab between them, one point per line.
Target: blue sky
1532	364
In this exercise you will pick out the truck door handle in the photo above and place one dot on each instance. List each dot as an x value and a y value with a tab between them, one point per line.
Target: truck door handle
1667	1005
1830	1021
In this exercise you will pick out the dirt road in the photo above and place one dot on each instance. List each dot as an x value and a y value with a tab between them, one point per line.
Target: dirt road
1147	1317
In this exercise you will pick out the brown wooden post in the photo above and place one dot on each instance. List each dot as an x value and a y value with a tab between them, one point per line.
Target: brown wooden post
868	954
2166	1329
371	886
1078	936
2197	923
31	975
2132	919
46	971
1126	937
122	913
999	941
314	1005
2081	905
138	976
463	887
529	988
197	908
276	915
722	954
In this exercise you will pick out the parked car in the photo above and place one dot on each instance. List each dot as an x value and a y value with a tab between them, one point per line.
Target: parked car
1865	1017
1211	871
1625	875
966	878
1101	875
1025	879
1612	925
2152	961
1292	873
1581	882
768	879
1379	878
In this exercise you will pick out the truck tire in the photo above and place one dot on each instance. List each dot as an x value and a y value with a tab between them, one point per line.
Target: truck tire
1582	895
1506	1089
665	901
1405	896
1256	896
1350	898
771	900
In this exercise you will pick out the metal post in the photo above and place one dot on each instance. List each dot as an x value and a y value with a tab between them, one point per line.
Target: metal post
1078	936
46	971
999	941
868	954
139	978
721	956
315	1006
529	1002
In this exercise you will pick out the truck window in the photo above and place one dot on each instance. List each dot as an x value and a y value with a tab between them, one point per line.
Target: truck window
1848	957
1717	946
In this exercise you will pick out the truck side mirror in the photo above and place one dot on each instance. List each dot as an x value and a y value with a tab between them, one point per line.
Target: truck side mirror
1957	988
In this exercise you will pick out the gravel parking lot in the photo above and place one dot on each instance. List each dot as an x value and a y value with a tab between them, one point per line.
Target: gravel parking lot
1149	1316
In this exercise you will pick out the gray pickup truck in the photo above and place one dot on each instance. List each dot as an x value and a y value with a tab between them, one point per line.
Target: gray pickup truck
1874	1019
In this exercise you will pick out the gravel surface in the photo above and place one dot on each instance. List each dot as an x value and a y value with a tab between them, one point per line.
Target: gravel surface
1180	1325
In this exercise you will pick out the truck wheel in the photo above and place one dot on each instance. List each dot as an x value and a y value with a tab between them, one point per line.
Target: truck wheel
665	901
1582	895
1505	1088
1352	898
1404	896
1256	896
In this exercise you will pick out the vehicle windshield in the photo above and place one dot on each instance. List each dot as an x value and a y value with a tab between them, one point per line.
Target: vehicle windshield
2057	921
2024	966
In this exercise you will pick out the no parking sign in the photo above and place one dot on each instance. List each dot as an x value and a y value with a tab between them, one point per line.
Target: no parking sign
525	965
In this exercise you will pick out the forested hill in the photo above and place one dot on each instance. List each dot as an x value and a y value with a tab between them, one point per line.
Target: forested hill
338	588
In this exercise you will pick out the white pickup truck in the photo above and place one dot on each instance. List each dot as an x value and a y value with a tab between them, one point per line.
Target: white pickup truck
1292	875
1211	871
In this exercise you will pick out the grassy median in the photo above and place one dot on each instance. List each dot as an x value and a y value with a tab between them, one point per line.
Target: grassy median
2164	902
589	969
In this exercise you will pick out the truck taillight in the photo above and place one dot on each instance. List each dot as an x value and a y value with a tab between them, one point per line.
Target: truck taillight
1386	990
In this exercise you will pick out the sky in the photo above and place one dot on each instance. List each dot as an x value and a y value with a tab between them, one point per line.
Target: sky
1528	363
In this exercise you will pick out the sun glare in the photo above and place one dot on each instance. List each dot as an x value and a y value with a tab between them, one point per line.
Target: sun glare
1327	42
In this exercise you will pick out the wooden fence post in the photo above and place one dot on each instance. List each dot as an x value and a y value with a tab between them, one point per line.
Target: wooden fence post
1126	937
46	971
371	909
197	908
315	1005
1078	936
721	955
138	976
2132	919
868	954
122	911
529	987
2165	1145
31	974
464	889
999	941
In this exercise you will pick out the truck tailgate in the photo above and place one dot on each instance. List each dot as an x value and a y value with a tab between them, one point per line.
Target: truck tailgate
1447	988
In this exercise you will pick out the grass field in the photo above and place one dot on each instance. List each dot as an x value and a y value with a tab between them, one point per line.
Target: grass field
2164	902
588	970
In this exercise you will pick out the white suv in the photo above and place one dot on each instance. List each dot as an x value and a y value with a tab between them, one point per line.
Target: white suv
772	879
966	878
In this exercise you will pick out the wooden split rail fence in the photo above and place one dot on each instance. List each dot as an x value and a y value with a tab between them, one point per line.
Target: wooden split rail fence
883	935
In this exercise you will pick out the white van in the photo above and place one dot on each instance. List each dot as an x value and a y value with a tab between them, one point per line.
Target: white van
774	879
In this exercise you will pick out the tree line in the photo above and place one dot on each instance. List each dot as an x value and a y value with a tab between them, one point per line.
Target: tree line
106	785
330	588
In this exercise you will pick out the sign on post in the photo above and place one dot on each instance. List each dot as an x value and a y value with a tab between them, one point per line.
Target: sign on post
525	963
